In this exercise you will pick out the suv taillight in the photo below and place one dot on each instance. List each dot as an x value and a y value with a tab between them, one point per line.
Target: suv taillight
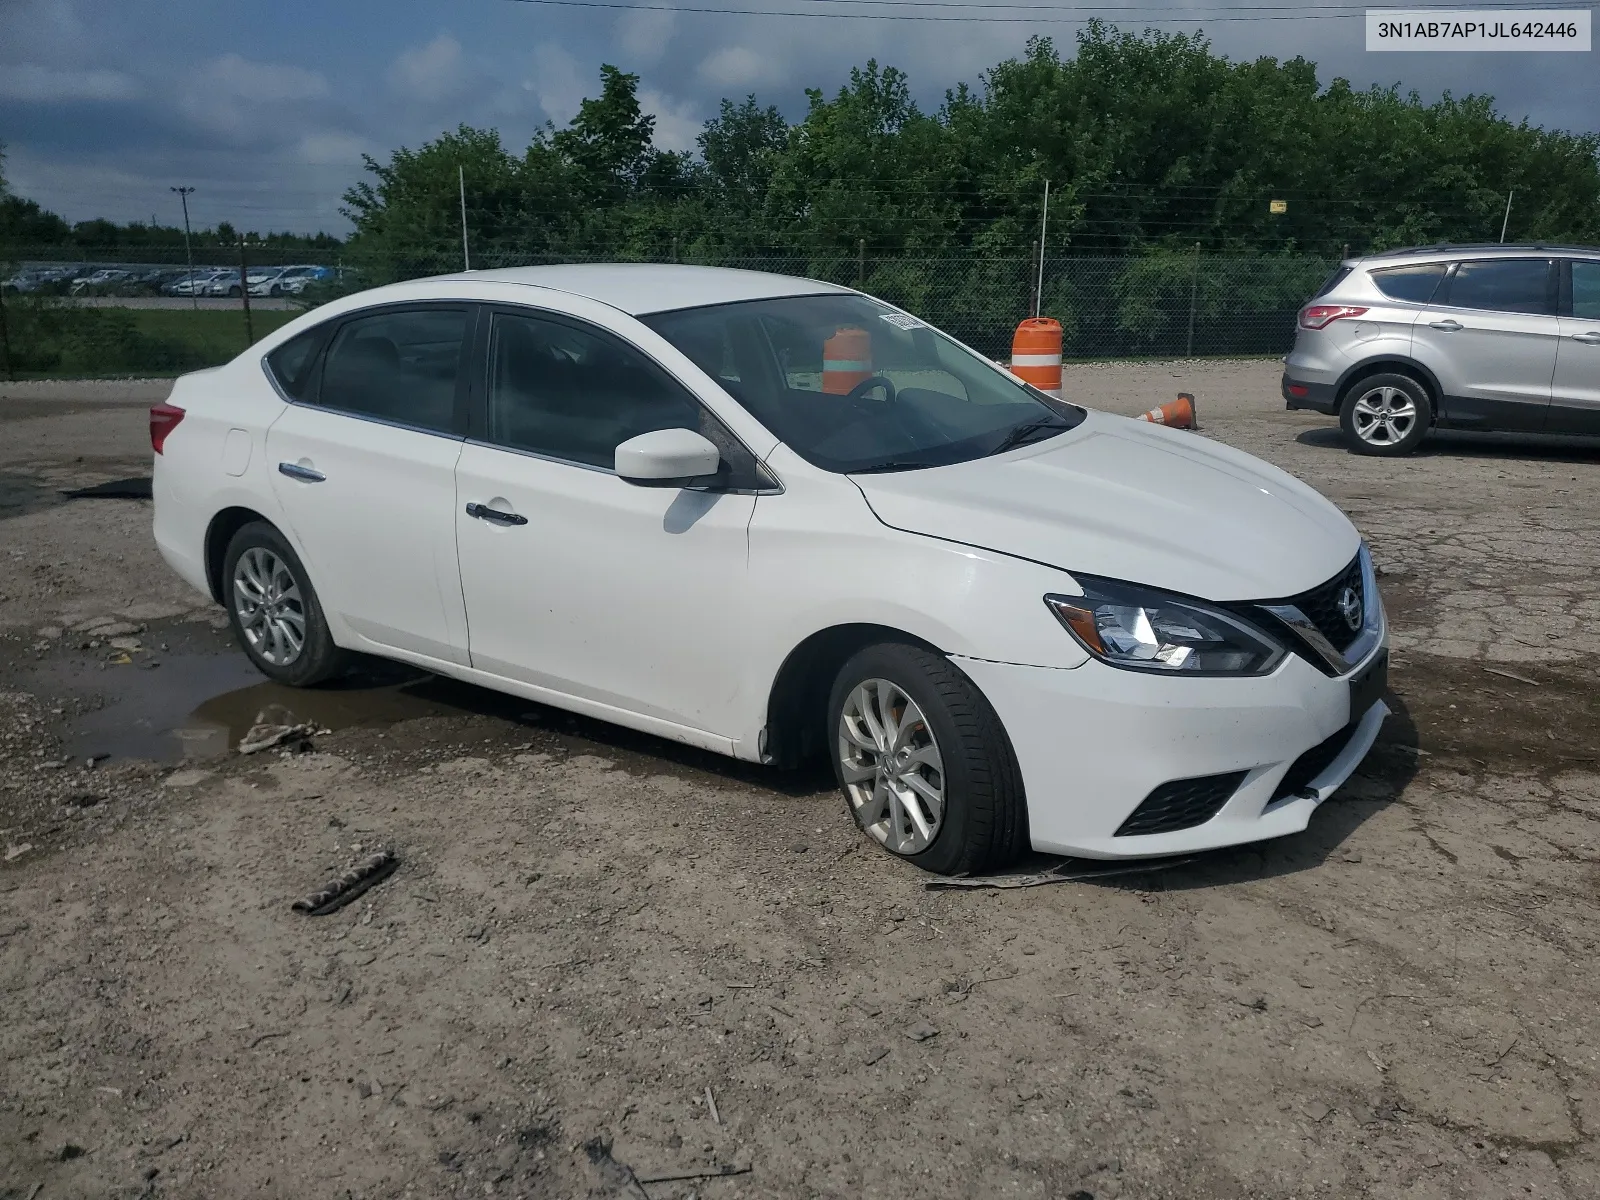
1320	316
164	419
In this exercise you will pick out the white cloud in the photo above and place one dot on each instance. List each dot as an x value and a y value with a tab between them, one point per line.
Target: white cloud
332	149
247	101
643	35
235	75
676	123
734	67
429	72
30	82
556	83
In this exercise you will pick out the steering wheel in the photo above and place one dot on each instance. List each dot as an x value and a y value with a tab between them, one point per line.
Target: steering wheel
866	385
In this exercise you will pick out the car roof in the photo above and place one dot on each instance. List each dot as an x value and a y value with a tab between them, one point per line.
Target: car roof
640	288
1454	250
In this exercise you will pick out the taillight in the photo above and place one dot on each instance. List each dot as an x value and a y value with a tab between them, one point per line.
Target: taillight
1320	316
164	419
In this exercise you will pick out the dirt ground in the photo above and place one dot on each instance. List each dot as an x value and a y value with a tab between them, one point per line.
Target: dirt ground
605	959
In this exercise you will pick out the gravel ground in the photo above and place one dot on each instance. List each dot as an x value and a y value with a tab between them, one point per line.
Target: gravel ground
605	959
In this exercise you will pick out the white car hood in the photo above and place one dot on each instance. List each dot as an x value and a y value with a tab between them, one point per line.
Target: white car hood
1131	501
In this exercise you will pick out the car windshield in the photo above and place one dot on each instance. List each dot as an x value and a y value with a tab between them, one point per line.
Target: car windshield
852	385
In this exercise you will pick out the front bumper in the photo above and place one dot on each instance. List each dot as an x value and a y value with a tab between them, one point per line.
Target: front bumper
1094	741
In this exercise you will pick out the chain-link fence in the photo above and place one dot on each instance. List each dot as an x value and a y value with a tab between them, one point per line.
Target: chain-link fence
95	315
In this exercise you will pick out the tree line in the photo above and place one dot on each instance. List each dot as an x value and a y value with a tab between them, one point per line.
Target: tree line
1150	142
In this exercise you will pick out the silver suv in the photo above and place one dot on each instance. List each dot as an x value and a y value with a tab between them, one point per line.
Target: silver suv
1503	338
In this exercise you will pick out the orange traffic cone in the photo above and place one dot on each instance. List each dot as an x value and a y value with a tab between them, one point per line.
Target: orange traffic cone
1179	414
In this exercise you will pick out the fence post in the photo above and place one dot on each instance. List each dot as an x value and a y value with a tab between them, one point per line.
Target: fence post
244	294
861	262
1194	284
674	248
5	335
1027	277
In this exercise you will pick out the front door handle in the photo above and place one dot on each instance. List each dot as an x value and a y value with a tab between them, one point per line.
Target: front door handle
1592	338
1445	326
303	474
484	513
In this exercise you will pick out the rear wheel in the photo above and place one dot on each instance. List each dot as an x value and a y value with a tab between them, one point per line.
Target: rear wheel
274	610
1386	414
925	765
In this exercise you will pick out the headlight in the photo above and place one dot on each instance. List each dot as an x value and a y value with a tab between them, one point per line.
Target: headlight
1141	629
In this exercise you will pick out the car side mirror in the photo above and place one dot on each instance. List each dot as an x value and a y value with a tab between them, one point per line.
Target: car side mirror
672	458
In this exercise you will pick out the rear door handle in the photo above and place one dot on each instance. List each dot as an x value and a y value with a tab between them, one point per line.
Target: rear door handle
1445	326
303	474
484	513
1592	338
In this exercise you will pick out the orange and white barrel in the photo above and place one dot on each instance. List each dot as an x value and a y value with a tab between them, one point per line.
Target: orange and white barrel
1036	354
846	360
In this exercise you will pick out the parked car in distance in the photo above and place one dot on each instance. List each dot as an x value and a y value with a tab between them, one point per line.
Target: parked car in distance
101	280
199	283
1502	338
680	499
288	281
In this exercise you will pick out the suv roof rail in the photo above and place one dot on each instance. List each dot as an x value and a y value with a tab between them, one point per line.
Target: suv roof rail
1475	246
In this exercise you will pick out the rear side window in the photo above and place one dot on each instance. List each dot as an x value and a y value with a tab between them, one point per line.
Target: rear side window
1414	285
1586	290
398	366
291	364
1332	281
1512	285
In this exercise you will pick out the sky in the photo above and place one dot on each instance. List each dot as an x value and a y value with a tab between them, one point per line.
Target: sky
265	107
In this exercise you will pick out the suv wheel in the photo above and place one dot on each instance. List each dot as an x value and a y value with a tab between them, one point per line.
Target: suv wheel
924	763
1386	414
274	610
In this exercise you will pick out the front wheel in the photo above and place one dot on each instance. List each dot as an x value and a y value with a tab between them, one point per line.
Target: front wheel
1386	414
924	763
274	610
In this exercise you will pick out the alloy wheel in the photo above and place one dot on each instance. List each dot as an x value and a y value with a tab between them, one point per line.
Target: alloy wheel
269	605
891	767
1384	416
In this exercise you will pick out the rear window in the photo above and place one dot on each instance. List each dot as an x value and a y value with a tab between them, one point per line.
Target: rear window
290	364
1414	284
1331	282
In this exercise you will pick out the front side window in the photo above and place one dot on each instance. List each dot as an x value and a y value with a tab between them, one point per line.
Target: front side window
573	394
1586	290
1414	285
1513	285
399	366
851	385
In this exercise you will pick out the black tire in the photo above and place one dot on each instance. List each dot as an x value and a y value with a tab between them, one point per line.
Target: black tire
234	291
1397	435
318	659
984	825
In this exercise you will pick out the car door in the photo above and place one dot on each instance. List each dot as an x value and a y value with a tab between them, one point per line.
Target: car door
364	467
628	598
1490	339
1575	399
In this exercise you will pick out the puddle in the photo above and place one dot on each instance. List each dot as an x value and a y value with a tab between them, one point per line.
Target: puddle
198	706
21	494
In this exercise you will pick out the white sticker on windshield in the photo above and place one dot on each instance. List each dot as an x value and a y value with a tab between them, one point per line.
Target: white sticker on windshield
902	320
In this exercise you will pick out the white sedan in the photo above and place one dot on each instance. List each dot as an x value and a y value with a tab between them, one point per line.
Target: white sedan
775	518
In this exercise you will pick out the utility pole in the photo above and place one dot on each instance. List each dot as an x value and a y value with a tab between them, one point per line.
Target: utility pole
1044	222
188	252
861	262
461	178
1507	220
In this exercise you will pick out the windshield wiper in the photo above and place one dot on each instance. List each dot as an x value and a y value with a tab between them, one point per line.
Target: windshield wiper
894	464
1026	431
